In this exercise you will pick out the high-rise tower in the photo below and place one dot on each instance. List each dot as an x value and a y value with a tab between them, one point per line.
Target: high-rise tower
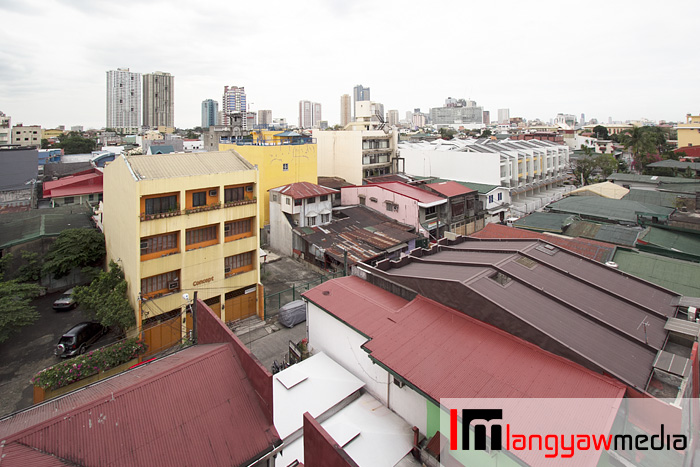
158	100
123	100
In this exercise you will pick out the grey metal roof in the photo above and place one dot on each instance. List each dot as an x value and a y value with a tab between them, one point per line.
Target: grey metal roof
609	233
610	209
558	300
683	326
187	164
671	164
19	167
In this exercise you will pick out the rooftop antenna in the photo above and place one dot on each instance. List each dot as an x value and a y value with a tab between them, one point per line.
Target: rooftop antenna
646	324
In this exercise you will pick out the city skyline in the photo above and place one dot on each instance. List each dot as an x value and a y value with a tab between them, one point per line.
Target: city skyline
633	65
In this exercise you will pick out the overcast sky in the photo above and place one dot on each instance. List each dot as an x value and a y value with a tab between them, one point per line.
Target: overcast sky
620	59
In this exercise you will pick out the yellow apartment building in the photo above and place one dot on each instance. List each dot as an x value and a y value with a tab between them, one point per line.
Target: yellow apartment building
181	223
281	160
689	132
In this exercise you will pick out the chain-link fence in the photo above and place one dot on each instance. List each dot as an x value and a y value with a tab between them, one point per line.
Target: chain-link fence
274	301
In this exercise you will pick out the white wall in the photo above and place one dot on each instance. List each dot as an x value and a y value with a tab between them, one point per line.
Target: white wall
343	344
453	165
280	230
339	154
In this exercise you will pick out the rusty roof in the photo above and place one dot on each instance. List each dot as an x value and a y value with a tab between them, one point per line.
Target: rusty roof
365	234
409	191
175	165
195	407
302	190
591	249
572	306
449	188
333	182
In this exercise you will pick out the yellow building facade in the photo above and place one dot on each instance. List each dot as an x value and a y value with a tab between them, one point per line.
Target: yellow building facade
278	163
689	132
180	223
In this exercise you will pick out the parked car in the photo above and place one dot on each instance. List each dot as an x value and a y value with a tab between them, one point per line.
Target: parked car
65	301
81	336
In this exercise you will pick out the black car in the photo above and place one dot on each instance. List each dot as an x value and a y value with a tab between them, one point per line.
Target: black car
79	338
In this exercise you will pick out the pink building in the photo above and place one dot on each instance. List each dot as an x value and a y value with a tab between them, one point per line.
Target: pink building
404	203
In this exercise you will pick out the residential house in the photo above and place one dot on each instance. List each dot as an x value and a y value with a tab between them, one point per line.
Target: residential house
688	132
26	135
335	183
356	234
79	188
464	215
300	204
184	222
424	211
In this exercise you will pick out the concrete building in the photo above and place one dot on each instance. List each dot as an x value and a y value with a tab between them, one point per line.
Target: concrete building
533	171
565	121
392	118
345	110
464	213
300	204
5	129
456	111
234	105
124	100
210	112
158	100
26	136
264	118
689	132
486	117
184	223
420	209
17	178
309	114
356	154
359	93
613	128
504	116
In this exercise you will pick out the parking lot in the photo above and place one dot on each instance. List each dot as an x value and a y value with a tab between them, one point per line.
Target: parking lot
31	350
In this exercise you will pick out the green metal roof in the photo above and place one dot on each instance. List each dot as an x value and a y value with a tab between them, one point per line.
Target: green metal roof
680	242
610	209
21	227
652	179
658	198
545	222
671	164
609	233
482	188
690	187
680	276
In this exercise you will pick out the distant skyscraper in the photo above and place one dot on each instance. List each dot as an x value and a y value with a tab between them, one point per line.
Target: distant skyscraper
360	93
392	118
309	114
158	100
583	120
345	109
487	117
234	101
504	116
123	100
264	117
210	111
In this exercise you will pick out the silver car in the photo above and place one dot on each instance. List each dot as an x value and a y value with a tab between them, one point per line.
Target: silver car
65	302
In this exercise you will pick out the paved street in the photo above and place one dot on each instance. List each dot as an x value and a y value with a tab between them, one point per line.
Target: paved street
31	350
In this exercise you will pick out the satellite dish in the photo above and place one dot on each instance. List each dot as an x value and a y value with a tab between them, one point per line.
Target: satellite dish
387	130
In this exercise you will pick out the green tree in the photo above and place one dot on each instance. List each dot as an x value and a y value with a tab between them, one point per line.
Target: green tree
607	164
73	143
585	165
644	142
447	133
105	299
15	307
30	270
485	134
601	132
74	248
45	143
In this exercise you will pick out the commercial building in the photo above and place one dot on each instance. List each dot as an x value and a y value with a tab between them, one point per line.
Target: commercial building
309	114
689	132
234	106
184	223
359	93
264	118
486	117
345	110
124	100
456	112
158	100
504	116
29	135
392	117
5	129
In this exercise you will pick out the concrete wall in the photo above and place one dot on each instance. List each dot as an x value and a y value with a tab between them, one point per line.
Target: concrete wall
280	229
343	344
453	165
340	154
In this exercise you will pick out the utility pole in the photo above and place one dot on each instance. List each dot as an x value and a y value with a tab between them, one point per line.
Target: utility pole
194	319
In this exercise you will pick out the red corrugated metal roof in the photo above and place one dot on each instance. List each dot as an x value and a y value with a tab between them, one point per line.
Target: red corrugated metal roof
74	185
195	407
450	188
302	190
404	189
592	249
447	354
690	151
17	455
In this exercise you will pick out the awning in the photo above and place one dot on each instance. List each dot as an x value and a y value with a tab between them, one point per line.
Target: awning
398	247
311	214
325	211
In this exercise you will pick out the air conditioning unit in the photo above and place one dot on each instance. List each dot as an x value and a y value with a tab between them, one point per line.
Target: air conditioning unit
227	270
212	192
144	244
173	285
249	188
399	382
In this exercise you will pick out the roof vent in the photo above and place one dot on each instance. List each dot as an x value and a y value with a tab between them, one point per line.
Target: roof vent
611	264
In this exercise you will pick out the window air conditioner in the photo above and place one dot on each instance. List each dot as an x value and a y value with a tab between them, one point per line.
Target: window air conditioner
227	270
144	244
249	188
173	285
212	192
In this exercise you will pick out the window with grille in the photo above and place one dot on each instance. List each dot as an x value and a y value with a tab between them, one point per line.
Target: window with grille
159	243
161	282
161	204
203	234
297	202
237	227
325	218
231	263
234	194
324	197
311	220
311	200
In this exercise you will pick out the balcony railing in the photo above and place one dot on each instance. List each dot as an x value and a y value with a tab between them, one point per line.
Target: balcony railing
210	207
267	142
